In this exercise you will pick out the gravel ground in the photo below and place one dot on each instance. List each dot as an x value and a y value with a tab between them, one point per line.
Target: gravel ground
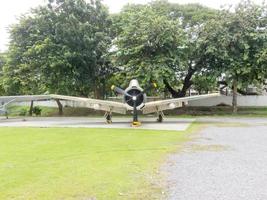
221	163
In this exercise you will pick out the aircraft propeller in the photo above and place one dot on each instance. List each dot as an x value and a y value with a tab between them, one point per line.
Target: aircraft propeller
134	98
120	91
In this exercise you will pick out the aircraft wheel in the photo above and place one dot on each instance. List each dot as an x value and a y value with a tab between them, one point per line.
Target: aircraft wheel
160	118
108	118
6	115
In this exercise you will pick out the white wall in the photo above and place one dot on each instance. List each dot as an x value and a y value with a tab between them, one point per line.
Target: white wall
241	101
40	103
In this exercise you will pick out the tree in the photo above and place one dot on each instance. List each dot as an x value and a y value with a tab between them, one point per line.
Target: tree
203	83
160	41
237	43
2	63
60	48
147	44
193	18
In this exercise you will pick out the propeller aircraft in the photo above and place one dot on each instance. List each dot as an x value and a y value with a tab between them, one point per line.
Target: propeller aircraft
134	99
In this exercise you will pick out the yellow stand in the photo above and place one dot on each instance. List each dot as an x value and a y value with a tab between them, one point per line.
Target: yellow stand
136	124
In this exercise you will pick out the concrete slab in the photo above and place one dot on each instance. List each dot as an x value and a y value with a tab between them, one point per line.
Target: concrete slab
175	124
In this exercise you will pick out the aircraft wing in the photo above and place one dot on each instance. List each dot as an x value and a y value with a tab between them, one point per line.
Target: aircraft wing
168	104
24	98
109	106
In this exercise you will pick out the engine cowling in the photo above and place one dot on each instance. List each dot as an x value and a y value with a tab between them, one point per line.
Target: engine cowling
137	92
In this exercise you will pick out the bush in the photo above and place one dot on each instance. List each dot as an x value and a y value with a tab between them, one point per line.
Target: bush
37	110
23	112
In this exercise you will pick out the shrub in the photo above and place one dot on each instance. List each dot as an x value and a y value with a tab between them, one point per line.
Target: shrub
37	110
23	112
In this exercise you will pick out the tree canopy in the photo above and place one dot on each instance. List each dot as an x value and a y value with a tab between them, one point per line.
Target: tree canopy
2	63
59	48
158	41
148	45
236	42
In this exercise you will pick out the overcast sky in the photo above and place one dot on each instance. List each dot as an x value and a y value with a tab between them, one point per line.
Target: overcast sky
11	9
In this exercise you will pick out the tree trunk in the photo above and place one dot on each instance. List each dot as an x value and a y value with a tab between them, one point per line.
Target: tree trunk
174	93
31	108
60	107
186	85
103	89
97	92
234	103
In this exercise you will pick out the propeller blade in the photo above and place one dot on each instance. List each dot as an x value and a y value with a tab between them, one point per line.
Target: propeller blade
120	91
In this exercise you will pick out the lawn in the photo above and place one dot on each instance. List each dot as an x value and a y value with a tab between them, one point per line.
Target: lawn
83	164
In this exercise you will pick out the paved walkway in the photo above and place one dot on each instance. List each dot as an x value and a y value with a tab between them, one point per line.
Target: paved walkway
221	163
86	122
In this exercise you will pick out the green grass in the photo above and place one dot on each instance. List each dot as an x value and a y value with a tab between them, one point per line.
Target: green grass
19	110
53	111
219	111
80	163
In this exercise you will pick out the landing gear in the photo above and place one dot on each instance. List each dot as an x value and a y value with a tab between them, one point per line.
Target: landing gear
160	117
108	117
135	122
